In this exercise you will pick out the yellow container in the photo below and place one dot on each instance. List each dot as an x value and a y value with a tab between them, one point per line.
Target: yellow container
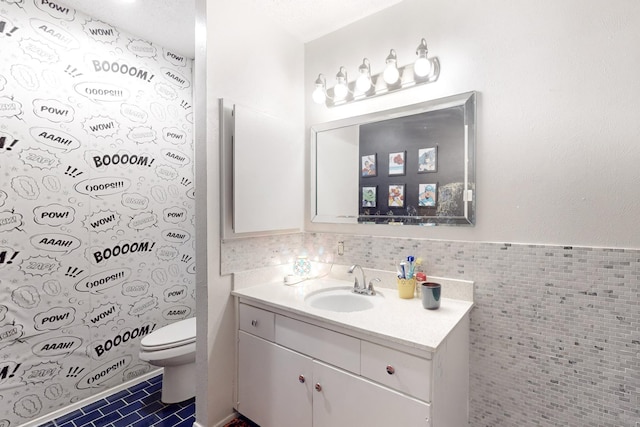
406	288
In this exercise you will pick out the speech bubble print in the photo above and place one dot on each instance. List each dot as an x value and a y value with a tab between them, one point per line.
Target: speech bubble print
39	159
165	91
174	136
41	372
39	51
28	406
141	48
56	10
54	138
174	270
166	253
101	221
159	276
5	422
134	201
176	235
122	158
25	187
103	280
123	249
101	126
175	293
51	183
102	314
25	76
173	190
54	318
3	82
121	68
101	32
8	370
39	266
143	305
137	288
166	172
54	215
176	312
9	107
176	157
175	59
55	242
10	220
9	334
142	135
56	346
3	197
158	111
175	78
26	296
54	34
100	187
6	27
134	113
3	312
104	372
53	110
189	118
159	194
54	391
52	287
134	372
100	348
101	92
174	214
143	220
191	269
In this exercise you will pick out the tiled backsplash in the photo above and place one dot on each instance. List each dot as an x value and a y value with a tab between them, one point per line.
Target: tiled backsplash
555	333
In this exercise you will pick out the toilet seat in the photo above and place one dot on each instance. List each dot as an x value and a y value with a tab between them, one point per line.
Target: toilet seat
177	334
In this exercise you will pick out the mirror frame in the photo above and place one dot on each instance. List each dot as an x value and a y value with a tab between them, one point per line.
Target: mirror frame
466	100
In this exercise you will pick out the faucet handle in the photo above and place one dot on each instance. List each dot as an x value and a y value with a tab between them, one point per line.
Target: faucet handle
370	289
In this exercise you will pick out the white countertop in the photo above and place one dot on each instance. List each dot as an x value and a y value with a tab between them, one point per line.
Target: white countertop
403	321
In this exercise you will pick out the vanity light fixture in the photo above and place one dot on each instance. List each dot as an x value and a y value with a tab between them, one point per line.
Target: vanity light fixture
392	78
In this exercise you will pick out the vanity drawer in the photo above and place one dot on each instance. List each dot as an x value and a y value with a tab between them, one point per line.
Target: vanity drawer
331	347
257	322
401	371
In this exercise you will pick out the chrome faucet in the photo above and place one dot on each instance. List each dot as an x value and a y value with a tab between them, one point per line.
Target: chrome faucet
364	290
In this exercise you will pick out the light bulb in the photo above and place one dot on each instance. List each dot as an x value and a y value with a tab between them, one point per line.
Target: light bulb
391	73
422	67
363	82
340	91
318	95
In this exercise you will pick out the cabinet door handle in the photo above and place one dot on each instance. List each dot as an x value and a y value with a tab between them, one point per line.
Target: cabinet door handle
254	323
318	387
301	378
390	370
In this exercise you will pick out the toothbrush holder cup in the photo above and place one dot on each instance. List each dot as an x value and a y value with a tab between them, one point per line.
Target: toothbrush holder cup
406	288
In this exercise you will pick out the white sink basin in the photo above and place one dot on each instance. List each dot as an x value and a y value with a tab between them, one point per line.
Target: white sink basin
341	299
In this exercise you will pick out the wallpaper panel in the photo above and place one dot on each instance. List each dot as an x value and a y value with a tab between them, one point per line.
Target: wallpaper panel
96	204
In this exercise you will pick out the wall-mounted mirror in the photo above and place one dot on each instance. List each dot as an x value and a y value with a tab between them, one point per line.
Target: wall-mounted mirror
412	165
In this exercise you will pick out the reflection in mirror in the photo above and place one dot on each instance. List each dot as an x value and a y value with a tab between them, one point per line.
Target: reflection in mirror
409	165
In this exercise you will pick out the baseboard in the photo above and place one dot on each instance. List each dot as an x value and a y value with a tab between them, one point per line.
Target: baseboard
222	422
84	402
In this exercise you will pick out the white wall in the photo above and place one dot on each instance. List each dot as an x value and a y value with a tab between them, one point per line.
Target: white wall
253	63
557	110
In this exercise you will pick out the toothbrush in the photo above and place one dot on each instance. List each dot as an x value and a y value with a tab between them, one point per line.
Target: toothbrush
411	260
403	269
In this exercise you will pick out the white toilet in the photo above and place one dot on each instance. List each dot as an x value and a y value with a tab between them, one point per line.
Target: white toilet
174	348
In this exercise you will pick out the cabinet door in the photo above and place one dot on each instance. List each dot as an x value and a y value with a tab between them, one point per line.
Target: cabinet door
274	384
346	400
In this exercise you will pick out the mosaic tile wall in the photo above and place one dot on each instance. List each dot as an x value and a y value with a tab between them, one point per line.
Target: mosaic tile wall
555	334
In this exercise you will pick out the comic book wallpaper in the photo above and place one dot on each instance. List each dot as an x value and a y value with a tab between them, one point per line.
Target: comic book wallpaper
96	204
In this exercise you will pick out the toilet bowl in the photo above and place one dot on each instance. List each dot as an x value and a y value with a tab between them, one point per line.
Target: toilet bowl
174	348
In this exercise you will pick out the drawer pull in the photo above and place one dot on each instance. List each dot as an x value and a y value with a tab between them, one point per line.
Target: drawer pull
301	379
254	323
390	370
318	387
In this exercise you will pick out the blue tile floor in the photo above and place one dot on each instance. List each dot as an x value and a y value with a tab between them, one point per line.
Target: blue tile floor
137	406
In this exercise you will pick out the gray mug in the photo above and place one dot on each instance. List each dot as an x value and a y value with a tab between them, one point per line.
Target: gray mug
431	295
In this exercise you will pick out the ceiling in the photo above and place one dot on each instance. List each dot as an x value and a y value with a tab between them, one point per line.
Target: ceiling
170	23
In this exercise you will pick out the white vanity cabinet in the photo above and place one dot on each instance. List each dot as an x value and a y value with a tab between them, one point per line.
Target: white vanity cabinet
297	371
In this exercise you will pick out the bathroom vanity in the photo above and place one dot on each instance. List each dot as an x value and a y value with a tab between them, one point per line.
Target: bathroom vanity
392	364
